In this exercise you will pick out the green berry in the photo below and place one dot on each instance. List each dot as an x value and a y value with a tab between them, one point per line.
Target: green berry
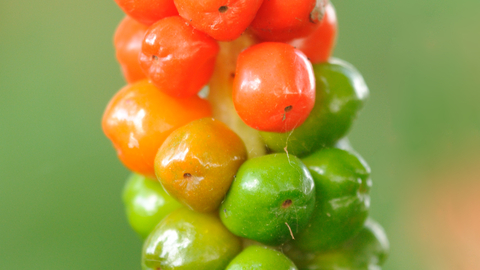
342	185
270	200
261	258
146	203
368	250
187	240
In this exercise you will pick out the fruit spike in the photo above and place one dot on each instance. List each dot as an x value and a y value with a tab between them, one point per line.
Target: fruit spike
220	95
275	199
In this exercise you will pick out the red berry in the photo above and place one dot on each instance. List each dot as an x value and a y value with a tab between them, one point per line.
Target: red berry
318	47
128	43
178	59
284	20
148	11
221	19
274	87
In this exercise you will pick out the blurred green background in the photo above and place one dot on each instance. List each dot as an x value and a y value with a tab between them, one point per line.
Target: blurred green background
60	205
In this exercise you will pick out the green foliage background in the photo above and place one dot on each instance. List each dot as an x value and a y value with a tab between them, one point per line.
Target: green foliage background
60	205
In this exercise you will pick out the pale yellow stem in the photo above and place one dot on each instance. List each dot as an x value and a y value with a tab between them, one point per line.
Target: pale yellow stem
220	95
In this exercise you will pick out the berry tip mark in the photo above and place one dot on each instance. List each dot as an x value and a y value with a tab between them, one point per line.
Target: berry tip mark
287	203
222	9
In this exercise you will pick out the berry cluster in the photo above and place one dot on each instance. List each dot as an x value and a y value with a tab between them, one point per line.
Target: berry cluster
234	122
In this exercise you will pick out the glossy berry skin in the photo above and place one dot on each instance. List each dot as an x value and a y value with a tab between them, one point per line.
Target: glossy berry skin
140	117
177	58
148	11
341	93
274	87
197	162
342	185
257	257
319	45
223	20
146	203
284	20
128	44
270	196
189	240
368	250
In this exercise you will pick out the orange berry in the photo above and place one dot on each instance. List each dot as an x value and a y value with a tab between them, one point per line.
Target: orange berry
318	46
139	118
178	59
148	11
197	163
128	43
283	20
223	20
274	87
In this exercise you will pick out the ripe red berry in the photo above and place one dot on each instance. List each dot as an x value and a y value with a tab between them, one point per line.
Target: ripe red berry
318	46
284	20
148	11
274	87
128	43
178	59
221	19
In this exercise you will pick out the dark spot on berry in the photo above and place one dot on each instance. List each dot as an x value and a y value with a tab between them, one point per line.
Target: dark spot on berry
187	175
287	109
154	58
222	9
287	203
232	74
